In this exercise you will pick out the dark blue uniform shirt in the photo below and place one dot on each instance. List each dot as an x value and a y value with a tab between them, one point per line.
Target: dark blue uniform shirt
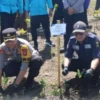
87	51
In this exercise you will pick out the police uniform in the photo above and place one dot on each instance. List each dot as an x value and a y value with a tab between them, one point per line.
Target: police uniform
12	60
86	52
86	49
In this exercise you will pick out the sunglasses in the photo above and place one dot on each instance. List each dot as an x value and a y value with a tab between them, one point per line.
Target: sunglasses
77	33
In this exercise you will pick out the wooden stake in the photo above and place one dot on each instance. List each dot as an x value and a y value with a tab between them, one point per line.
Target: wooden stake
58	54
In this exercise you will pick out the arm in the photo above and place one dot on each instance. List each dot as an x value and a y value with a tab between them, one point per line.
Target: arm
65	3
67	62
78	3
68	54
67	7
50	6
49	3
2	57
20	77
20	6
22	73
86	4
95	54
94	63
27	4
25	55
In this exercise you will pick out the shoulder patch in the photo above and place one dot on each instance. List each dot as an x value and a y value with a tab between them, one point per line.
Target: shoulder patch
25	53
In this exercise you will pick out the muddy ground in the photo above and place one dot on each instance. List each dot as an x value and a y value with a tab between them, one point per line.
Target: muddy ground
48	77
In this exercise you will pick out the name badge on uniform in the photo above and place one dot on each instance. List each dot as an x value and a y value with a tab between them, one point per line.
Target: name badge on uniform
87	46
76	47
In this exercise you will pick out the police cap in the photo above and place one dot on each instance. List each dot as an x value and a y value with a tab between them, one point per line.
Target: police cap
9	34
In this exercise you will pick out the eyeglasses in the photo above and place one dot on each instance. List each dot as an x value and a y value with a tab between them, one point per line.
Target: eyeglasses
76	34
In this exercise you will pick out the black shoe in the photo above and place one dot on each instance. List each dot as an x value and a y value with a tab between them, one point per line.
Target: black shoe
50	44
62	50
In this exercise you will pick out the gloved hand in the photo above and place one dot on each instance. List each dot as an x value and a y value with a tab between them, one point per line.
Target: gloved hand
88	74
65	71
11	89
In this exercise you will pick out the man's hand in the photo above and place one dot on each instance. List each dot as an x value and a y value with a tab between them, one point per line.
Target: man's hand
71	10
50	12
12	89
65	71
27	14
88	74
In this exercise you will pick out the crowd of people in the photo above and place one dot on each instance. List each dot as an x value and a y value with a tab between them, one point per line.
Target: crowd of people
17	55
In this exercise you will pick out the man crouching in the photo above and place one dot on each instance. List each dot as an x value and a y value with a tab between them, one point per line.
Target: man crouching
87	47
16	56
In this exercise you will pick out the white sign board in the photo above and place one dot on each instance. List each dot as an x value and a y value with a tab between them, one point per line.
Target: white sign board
58	29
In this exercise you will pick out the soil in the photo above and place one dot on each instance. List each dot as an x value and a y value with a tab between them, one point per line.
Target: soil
49	73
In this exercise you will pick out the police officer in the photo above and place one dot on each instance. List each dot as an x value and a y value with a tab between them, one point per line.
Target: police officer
87	48
16	56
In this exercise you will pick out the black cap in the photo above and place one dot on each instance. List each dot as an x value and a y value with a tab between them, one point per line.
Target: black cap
79	27
9	33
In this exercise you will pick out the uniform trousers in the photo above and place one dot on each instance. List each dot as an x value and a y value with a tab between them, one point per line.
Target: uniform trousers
12	68
59	15
85	17
97	5
35	24
80	64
